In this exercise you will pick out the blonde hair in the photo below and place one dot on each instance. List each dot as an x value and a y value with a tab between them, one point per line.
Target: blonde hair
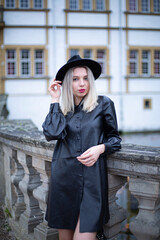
90	100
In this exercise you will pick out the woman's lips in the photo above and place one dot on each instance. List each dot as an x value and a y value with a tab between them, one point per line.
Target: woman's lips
81	90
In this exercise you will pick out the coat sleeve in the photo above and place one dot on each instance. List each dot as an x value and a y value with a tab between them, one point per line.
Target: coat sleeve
113	140
54	124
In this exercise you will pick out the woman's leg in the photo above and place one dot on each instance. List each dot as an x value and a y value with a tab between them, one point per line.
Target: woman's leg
65	234
83	236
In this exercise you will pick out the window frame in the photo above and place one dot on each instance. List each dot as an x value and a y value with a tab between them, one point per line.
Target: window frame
39	60
147	61
77	5
154	6
151	62
23	7
34	3
14	3
149	7
91	5
136	5
134	60
156	61
150	103
11	61
27	60
103	8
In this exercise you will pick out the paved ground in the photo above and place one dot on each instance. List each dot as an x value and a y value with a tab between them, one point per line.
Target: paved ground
5	231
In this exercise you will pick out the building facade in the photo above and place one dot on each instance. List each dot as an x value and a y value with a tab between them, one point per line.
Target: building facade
38	36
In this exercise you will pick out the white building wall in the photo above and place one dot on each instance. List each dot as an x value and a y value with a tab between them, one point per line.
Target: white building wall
83	19
139	21
23	87
24	18
59	12
144	85
22	36
84	37
29	107
136	117
144	38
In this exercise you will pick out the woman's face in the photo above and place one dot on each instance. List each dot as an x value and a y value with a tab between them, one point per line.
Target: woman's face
80	84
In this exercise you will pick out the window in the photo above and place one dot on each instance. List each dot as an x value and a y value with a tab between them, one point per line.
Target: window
87	5
10	3
87	53
38	4
133	62
25	63
74	52
101	59
147	103
156	62
100	5
39	62
92	53
133	6
145	62
11	62
156	6
145	5
73	4
24	4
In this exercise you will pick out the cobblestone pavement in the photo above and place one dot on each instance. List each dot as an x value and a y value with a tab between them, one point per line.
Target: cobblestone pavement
5	231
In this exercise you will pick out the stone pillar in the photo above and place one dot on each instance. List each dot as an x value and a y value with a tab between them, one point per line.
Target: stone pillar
32	216
8	197
117	213
18	174
2	176
146	225
42	231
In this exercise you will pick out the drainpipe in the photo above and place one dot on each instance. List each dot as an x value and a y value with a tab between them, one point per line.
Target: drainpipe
120	67
54	39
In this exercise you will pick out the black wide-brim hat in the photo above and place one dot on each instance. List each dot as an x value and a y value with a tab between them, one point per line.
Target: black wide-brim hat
77	61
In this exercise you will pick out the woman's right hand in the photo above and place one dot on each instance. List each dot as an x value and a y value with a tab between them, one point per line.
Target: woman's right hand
55	90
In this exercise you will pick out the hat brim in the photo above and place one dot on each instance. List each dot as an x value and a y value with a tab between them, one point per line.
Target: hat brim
94	66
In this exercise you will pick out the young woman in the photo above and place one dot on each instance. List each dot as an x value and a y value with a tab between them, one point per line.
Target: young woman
86	129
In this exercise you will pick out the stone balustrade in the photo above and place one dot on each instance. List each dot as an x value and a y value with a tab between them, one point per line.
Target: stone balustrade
25	160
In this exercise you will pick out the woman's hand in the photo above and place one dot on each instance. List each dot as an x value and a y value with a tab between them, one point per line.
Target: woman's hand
55	90
90	156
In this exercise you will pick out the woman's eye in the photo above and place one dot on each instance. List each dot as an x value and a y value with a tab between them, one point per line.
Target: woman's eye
86	78
75	79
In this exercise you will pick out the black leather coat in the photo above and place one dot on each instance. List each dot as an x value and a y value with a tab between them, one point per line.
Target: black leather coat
75	189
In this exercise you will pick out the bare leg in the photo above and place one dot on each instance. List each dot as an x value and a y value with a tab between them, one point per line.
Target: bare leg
83	236
65	234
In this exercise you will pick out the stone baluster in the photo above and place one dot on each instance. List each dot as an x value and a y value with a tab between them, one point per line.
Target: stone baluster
7	151
32	216
146	225
42	231
19	205
117	213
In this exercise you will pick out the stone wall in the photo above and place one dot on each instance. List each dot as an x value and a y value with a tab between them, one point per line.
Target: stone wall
26	157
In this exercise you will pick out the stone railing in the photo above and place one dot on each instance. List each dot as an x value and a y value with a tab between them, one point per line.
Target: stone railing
25	160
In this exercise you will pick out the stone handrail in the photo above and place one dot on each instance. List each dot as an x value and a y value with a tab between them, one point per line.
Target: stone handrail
25	160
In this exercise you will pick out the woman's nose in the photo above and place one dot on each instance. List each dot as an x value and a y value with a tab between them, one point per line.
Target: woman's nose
81	82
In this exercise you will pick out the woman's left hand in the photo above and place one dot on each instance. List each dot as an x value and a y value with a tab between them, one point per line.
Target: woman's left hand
90	156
